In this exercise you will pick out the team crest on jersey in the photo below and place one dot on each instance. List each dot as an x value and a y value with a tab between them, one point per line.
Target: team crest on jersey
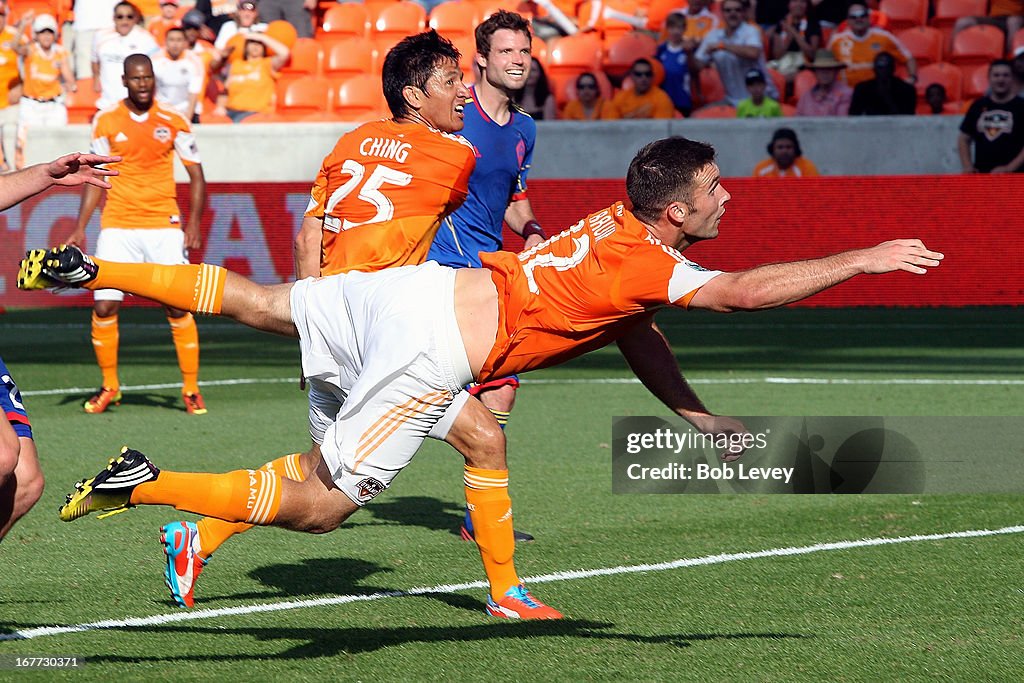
995	123
368	488
162	134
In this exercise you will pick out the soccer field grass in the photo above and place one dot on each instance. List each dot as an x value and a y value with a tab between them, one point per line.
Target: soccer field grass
395	595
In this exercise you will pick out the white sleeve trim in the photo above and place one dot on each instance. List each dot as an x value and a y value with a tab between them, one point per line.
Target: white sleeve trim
687	277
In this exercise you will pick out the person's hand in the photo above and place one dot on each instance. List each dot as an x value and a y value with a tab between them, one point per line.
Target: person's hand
532	241
96	87
910	255
81	169
730	427
1000	170
309	5
77	238
193	237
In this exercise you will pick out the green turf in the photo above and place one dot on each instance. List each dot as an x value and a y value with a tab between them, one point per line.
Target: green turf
947	610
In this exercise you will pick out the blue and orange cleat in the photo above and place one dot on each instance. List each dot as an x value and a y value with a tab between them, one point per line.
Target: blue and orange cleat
101	400
518	603
181	550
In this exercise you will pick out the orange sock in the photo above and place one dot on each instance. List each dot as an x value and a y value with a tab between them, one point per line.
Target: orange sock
251	496
104	342
197	288
213	532
490	510
186	344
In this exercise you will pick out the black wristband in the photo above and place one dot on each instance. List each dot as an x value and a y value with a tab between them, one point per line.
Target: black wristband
533	228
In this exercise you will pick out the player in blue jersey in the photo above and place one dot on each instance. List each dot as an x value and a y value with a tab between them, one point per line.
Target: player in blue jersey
21	480
503	136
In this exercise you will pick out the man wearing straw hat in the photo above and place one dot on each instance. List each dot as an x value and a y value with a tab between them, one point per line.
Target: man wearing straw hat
829	96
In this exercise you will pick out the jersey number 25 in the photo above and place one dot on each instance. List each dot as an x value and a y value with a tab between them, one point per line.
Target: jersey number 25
369	191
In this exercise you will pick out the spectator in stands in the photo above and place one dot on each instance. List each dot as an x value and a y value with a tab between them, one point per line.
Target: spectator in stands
298	13
10	80
786	159
246	20
549	19
700	21
829	13
858	47
1018	69
589	105
167	20
758	105
674	55
994	125
46	64
1008	15
216	13
90	16
734	50
643	100
536	98
180	75
935	96
197	35
111	47
768	13
250	82
829	96
793	41
885	94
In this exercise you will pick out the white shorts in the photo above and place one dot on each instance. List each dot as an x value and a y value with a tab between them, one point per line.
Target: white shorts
139	245
36	114
387	347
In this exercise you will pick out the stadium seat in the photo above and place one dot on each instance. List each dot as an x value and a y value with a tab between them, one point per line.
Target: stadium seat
924	42
539	49
947	74
588	14
978	44
359	98
1017	41
265	117
711	88
603	84
382	46
82	104
570	56
399	19
350	57
466	46
308	95
346	20
485	8
715	111
805	80
948	11
658	11
454	18
629	47
788	109
306	58
975	80
779	81
904	14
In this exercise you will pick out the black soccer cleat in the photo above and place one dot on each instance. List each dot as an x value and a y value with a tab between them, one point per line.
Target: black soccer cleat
63	266
111	489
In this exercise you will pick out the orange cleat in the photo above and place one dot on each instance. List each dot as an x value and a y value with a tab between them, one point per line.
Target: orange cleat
194	404
518	603
102	399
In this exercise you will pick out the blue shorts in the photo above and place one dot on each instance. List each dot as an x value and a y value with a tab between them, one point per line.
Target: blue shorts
10	402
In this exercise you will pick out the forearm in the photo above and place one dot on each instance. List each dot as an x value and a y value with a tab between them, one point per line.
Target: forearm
963	144
650	357
14	187
518	214
196	195
307	248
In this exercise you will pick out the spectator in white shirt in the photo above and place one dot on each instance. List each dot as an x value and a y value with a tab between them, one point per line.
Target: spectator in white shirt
734	50
246	20
179	75
90	17
112	46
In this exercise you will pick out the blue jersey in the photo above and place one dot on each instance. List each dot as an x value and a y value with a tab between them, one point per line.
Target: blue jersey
677	75
10	401
503	157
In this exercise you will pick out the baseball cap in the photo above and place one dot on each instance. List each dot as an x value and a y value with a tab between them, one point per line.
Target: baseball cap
248	4
44	22
169	2
193	19
754	76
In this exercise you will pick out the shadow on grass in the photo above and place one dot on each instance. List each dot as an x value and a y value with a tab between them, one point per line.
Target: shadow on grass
133	398
331	642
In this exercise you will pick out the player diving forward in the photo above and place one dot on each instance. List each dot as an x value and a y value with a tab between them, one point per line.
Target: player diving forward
423	332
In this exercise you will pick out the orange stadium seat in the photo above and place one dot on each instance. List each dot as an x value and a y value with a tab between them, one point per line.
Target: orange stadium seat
485	8
715	111
603	85
658	11
570	56
466	45
779	81
82	104
905	14
453	18
1017	41
805	80
948	75
350	57
924	42
265	117
711	88
400	19
359	98
977	45
788	109
539	49
382	46
346	19
975	80
308	95
588	14
306	58
629	47
948	11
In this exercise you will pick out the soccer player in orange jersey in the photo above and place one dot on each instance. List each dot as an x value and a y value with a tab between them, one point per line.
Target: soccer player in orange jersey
141	221
401	343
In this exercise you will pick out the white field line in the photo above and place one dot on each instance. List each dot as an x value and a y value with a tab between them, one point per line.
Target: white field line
585	380
172	617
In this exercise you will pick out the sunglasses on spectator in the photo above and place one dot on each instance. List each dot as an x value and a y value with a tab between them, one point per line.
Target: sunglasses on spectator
643	74
124	16
857	15
587	86
732	10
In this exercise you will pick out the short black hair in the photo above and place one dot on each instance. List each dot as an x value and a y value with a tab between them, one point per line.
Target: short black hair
1000	62
494	23
785	134
412	62
137	58
663	172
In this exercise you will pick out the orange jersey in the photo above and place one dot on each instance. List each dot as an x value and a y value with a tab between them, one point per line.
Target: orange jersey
9	76
801	168
700	24
654	104
382	192
159	28
42	72
250	85
859	53
604	110
144	194
581	290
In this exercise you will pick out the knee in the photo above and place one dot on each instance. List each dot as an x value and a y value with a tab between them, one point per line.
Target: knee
485	447
105	309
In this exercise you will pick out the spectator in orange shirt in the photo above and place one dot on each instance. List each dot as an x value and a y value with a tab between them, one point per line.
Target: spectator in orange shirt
46	64
167	20
644	100
250	81
589	105
786	160
10	80
858	47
